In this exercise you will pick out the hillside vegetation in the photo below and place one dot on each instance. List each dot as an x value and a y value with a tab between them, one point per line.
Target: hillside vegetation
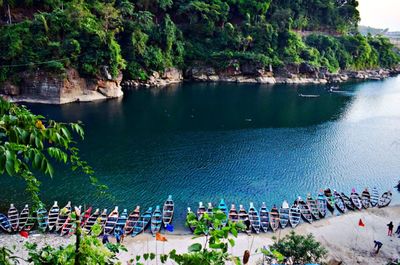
138	37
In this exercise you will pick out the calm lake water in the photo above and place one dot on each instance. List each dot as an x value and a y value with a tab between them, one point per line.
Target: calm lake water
240	142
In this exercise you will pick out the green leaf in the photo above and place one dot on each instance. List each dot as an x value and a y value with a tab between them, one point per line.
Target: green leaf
152	256
146	256
234	232
196	247
231	242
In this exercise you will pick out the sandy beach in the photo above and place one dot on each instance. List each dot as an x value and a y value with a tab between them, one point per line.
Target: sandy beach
341	235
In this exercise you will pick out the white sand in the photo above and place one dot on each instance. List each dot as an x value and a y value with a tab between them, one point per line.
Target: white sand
341	235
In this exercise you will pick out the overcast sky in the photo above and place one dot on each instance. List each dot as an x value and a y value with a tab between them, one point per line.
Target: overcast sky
380	13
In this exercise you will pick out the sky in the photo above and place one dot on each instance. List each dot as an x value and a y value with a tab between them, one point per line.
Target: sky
380	13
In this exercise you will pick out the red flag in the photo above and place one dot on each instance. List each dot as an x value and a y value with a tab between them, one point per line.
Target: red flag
24	234
360	223
159	237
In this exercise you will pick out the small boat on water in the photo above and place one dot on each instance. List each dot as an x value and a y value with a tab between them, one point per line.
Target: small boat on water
312	204
86	216
53	215
111	221
132	219
233	215
23	217
308	96
330	199
305	210
322	204
210	209
294	215
385	199
189	215
244	217
91	221
67	226
347	201
254	218
13	217
355	199
366	198
223	208
5	223
143	222
168	211
374	197
264	217
201	210
339	202
156	221
30	223
42	218
103	218
119	226
284	214
63	216
274	218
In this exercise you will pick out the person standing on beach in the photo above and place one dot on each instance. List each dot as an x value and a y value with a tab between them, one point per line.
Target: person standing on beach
105	239
378	246
390	228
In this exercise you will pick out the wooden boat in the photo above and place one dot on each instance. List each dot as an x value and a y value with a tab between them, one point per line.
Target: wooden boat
103	218
233	215
53	216
244	217
156	221
86	216
264	217
111	221
254	218
67	226
119	226
374	197
78	212
201	210
30	223
210	209
72	222
132	219
330	199
23	217
63	216
347	202
168	211
322	204
385	199
224	209
305	210
91	221
142	223
189	215
312	204
13	217
42	218
366	198
274	218
284	214
355	199
339	202
5	223
294	215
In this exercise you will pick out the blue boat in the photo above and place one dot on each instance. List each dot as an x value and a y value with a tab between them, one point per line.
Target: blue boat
168	211
264	217
223	208
42	219
111	221
142	223
119	226
5	223
156	221
254	218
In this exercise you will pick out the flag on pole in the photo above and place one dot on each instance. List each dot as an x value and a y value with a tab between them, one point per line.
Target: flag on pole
361	223
159	237
169	228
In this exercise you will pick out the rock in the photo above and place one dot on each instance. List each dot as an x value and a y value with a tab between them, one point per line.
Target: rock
252	69
334	261
266	80
173	74
10	89
307	69
155	74
105	73
213	78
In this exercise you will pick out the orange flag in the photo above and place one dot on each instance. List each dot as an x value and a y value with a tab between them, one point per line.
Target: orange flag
159	237
360	223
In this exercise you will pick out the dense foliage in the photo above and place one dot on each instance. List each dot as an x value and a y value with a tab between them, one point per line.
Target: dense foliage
138	37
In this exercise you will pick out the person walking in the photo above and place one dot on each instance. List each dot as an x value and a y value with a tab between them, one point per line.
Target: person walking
105	239
378	246
390	228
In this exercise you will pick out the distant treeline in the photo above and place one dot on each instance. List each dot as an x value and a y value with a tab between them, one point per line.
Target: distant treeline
138	37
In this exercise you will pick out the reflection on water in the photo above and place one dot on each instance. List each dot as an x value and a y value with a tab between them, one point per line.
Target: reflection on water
243	142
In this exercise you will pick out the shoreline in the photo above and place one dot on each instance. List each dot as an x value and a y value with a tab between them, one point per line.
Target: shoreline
341	235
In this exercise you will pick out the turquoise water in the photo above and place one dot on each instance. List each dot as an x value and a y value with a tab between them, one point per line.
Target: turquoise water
240	142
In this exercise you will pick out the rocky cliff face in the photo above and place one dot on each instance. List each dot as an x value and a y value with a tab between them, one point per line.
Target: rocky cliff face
42	87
